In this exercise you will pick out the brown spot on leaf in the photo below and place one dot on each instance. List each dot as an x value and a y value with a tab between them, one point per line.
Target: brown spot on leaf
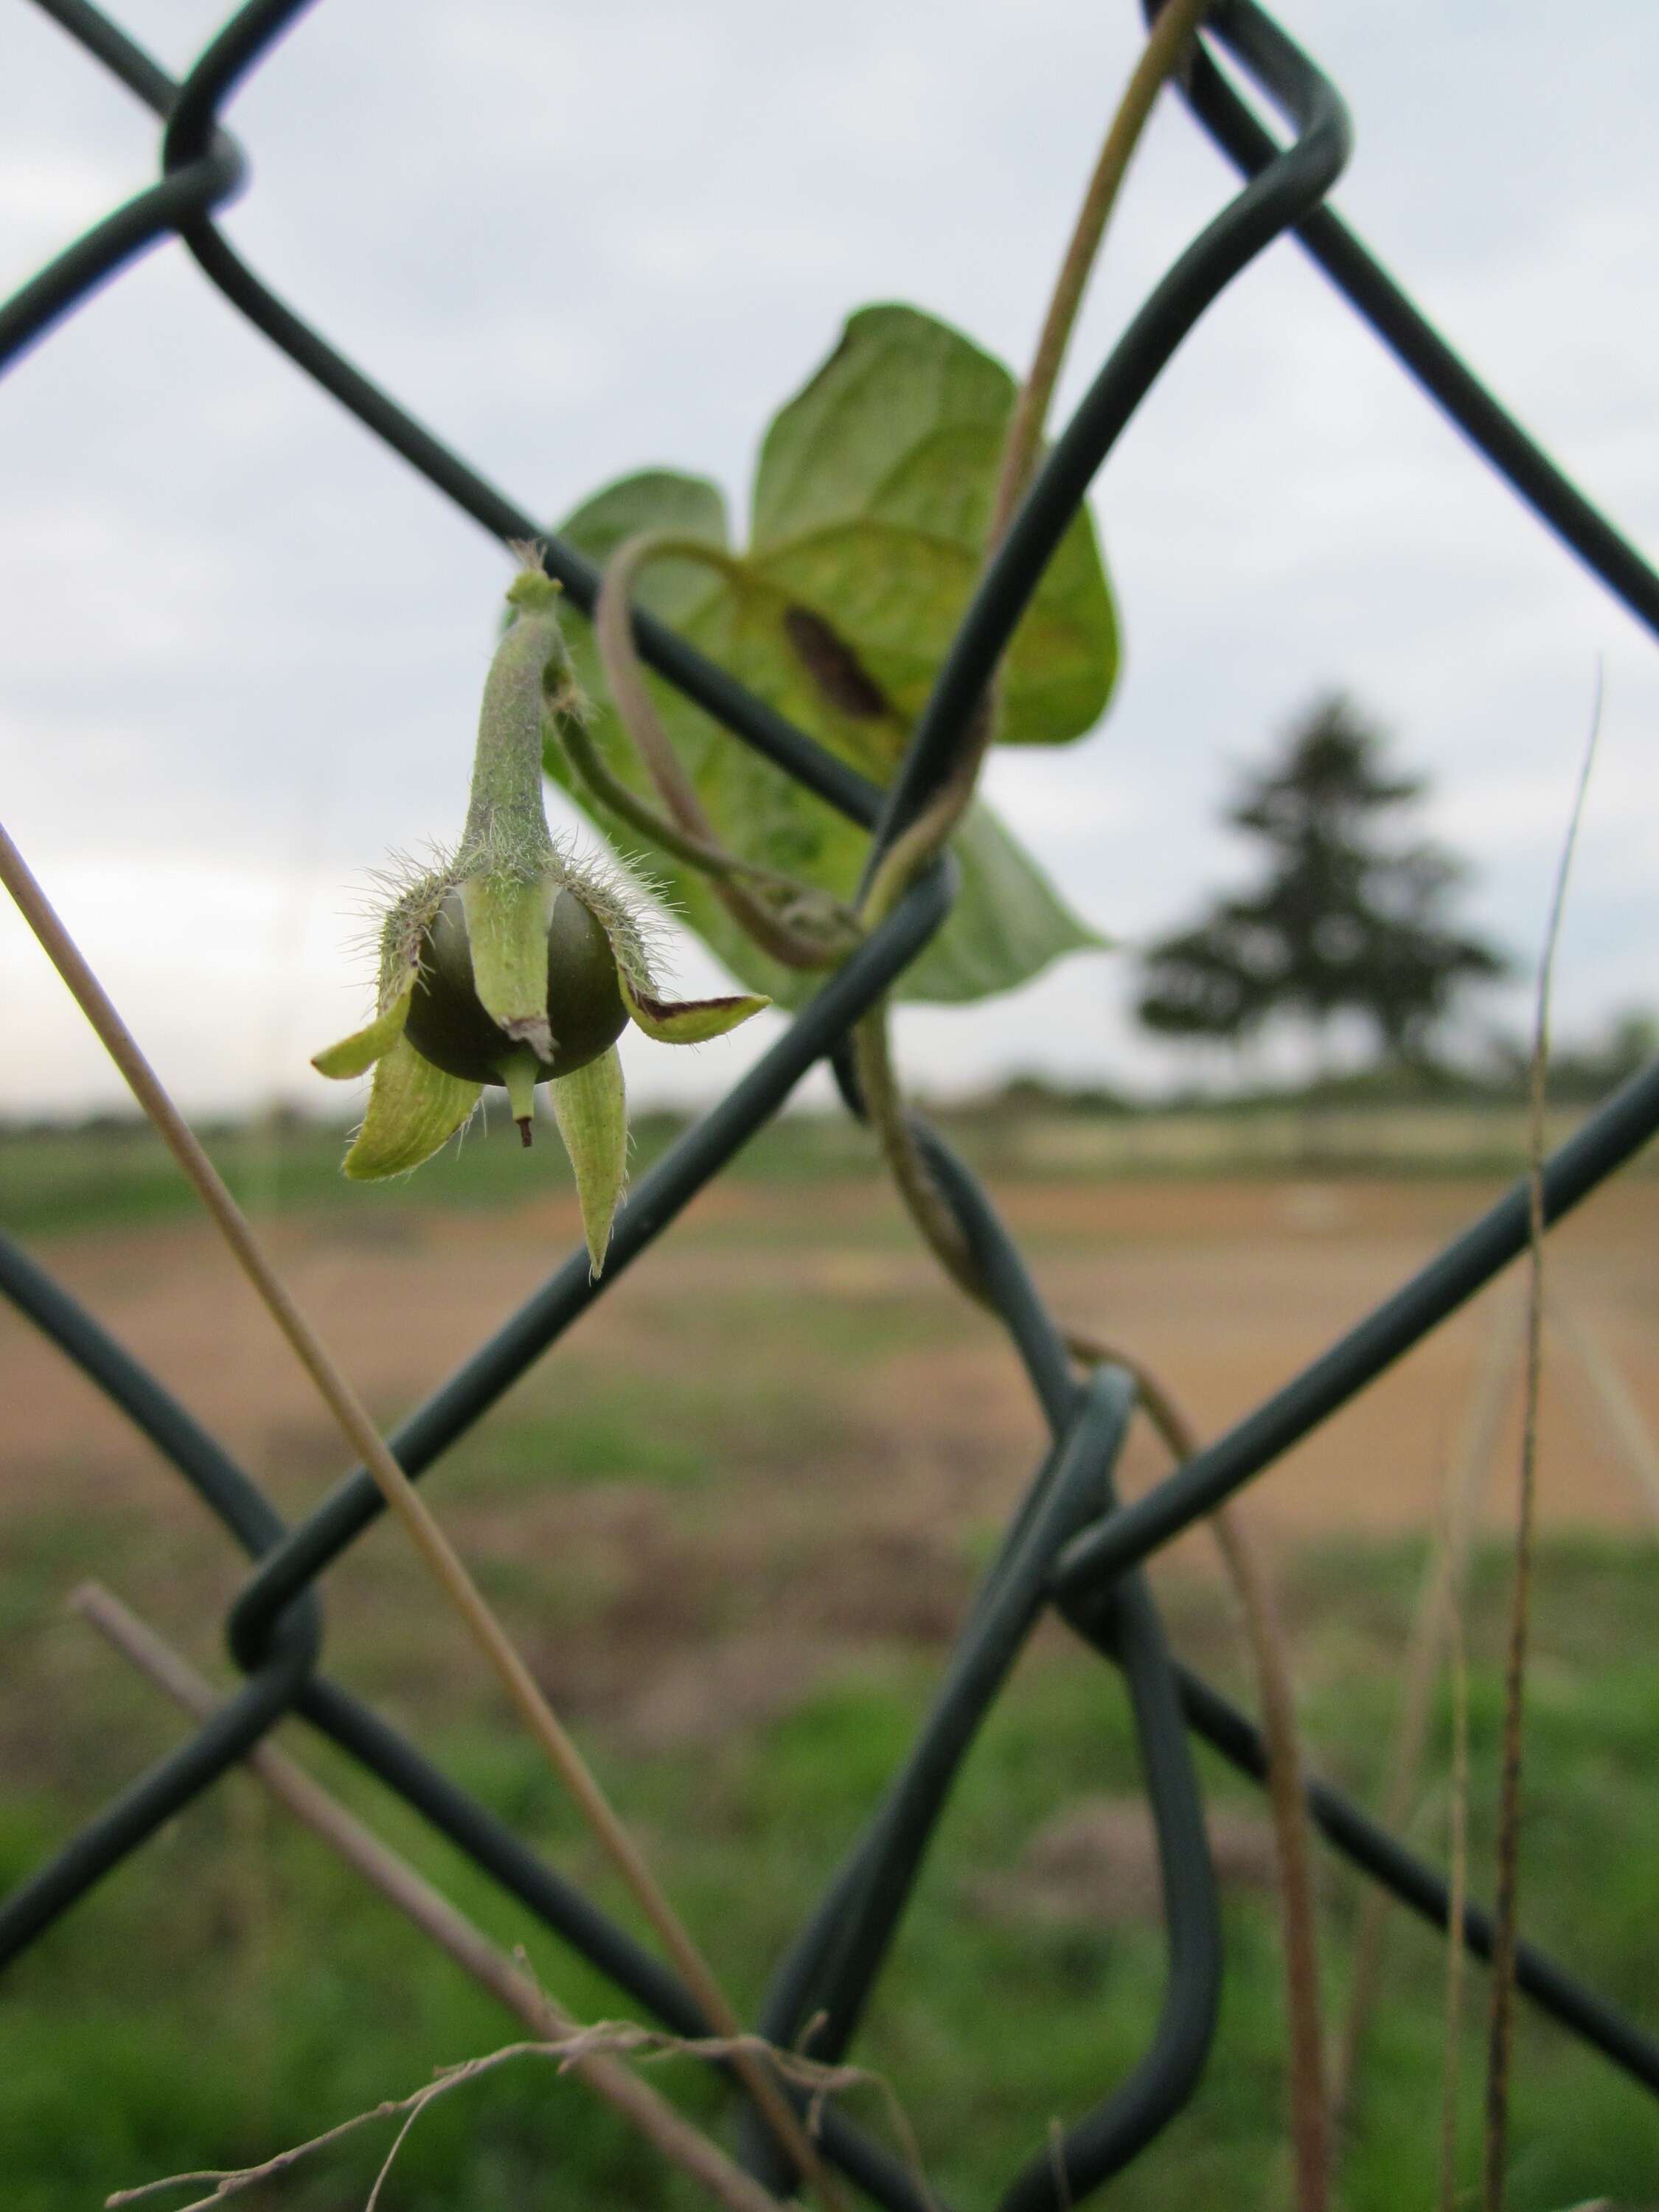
834	666
663	1010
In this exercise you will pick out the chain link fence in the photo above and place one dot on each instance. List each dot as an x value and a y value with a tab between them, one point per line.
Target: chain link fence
1071	1547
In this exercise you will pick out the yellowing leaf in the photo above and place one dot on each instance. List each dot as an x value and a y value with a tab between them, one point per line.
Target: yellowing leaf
687	1021
357	1054
414	1110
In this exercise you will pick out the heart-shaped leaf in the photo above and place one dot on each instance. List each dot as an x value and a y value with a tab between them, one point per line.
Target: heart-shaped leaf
871	503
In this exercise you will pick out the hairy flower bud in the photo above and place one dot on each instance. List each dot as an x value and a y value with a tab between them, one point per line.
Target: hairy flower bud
511	964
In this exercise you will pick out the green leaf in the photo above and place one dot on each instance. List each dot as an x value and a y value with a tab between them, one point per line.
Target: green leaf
1007	918
871	502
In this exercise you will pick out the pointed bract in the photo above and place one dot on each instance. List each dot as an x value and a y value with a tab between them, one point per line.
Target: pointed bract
357	1054
506	926
592	1111
687	1021
414	1110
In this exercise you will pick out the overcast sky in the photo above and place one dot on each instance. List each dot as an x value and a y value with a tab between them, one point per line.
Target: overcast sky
240	643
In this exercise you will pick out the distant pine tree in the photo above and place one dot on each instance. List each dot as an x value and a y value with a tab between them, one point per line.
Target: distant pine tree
1343	919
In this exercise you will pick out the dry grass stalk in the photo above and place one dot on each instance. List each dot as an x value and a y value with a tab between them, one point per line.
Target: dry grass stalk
1310	2116
1611	1394
1457	1896
400	1494
604	2039
1501	2029
1464	1487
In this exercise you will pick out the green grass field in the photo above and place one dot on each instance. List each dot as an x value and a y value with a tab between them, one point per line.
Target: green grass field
233	1990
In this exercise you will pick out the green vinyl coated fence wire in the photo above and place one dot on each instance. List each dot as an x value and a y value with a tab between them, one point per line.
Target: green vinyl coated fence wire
1071	1547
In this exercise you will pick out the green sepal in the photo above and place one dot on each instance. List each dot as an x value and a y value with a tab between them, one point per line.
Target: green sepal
414	1110
507	925
591	1108
687	1021
357	1054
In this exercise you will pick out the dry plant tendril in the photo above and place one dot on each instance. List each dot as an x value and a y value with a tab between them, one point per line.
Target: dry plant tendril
1164	56
1505	1899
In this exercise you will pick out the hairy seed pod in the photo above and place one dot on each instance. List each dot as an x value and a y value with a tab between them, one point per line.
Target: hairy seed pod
447	1021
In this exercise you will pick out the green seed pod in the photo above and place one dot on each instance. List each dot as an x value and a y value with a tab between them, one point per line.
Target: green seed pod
447	1024
511	964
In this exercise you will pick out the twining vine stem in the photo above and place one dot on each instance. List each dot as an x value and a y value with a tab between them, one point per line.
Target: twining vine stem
691	836
688	832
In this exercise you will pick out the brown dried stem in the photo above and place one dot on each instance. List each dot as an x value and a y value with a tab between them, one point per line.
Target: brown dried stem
1501	2025
1310	2116
1167	45
1457	1892
689	832
604	2038
1165	51
1165	48
1310	2123
1435	1614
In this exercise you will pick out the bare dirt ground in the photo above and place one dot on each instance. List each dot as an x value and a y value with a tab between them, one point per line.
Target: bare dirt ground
1225	1288
855	1433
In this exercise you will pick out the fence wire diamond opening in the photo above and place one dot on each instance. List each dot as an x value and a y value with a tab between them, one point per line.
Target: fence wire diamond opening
1071	1547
